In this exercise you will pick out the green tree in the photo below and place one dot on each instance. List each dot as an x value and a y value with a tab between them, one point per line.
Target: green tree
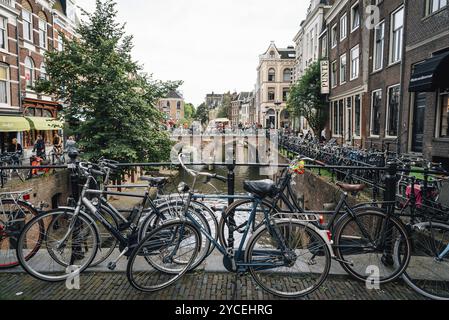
189	111
202	114
225	110
110	101
305	99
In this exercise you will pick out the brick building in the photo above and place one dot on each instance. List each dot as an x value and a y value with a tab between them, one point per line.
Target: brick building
32	28
425	116
173	107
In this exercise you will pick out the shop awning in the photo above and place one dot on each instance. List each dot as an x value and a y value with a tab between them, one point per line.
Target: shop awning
44	124
431	75
13	124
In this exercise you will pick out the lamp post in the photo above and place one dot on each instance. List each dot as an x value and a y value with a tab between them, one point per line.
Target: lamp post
278	113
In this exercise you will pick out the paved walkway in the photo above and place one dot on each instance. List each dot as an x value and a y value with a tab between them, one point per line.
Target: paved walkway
195	286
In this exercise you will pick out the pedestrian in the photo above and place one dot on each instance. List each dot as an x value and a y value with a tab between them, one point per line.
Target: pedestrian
323	136
57	144
39	147
15	147
71	149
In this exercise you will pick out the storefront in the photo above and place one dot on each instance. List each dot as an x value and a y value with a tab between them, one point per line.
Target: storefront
12	127
429	107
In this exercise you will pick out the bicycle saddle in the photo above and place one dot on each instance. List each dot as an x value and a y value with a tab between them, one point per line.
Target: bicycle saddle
351	187
155	182
262	188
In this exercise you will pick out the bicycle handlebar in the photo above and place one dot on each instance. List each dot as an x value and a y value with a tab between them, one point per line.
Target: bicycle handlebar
195	173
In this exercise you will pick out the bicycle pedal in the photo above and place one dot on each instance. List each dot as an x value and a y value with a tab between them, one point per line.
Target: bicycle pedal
112	266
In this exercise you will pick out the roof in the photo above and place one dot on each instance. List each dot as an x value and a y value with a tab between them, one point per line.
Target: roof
287	53
173	95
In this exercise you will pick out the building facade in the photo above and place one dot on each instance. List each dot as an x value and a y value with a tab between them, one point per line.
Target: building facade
241	106
274	79
30	29
425	116
173	108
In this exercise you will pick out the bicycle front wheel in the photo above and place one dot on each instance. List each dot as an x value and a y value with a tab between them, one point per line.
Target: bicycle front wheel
428	270
288	259
154	263
365	246
62	249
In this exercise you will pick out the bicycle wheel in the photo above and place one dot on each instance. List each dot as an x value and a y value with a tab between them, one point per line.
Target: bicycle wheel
237	214
173	212
65	247
295	271
153	264
427	272
366	244
14	215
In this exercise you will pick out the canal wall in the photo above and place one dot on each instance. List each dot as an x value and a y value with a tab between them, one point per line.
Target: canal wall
52	188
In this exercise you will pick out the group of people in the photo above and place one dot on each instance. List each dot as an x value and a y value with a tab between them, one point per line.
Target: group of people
40	146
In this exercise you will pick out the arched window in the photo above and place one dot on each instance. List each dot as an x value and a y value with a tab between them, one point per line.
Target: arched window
168	104
42	30
27	21
287	75
178	105
43	72
29	72
271	75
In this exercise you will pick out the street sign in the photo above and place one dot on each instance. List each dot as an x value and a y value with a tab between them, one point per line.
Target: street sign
325	77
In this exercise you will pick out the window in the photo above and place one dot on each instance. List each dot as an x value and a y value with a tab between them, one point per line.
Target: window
3	33
343	27
343	69
271	94
393	111
334	81
357	116
27	22
60	43
272	54
43	72
340	117
271	75
178	105
285	92
435	5
337	118
287	75
444	115
29	72
334	36
324	46
4	84
355	62
379	45
376	105
43	33
355	17
397	32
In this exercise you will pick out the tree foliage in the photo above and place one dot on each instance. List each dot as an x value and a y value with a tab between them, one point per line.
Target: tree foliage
189	111
305	99
109	102
202	114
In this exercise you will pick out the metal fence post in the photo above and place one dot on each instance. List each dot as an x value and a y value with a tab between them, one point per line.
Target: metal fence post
231	181
391	181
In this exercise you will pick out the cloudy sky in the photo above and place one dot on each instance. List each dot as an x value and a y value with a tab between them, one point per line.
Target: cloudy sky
212	45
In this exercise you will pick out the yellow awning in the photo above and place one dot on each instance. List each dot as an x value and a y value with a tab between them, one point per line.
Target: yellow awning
13	124
44	124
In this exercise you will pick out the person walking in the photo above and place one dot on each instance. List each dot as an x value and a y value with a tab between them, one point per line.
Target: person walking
39	147
71	149
15	147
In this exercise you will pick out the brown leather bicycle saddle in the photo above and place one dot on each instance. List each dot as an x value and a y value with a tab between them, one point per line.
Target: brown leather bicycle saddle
351	187
261	188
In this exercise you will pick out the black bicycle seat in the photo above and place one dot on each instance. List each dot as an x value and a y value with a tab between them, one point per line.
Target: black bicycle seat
155	182
262	188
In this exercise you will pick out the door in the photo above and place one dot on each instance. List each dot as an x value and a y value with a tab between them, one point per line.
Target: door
419	113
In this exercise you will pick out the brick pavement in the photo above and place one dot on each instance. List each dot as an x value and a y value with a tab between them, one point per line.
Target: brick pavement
194	286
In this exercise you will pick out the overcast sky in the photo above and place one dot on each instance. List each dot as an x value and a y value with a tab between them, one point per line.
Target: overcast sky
212	45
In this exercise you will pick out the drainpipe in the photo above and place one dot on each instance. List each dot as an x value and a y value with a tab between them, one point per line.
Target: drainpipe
403	86
19	91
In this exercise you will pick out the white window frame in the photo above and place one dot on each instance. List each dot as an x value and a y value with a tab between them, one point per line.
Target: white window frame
352	77
345	74
343	27
387	122
5	30
371	113
31	34
430	8
375	47
392	53
336	110
33	75
44	31
8	86
352	17
334	36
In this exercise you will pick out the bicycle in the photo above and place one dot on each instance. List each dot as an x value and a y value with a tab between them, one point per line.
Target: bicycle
12	159
274	255
15	212
57	156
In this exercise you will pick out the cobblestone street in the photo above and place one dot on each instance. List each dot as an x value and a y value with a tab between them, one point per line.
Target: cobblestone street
196	286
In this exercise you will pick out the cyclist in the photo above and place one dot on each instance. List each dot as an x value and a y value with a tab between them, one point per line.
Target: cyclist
39	147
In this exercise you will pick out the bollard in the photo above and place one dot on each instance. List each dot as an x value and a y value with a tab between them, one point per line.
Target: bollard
391	180
231	181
